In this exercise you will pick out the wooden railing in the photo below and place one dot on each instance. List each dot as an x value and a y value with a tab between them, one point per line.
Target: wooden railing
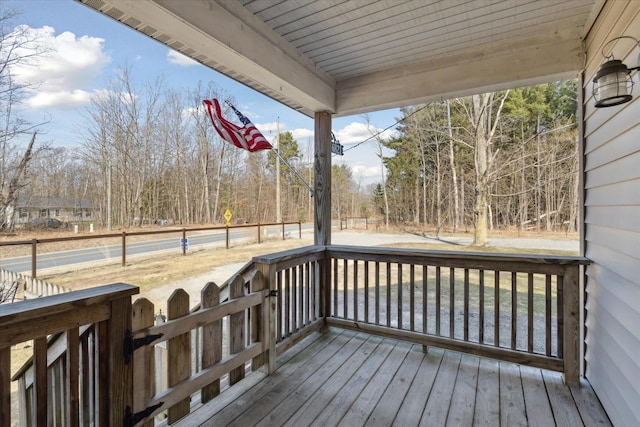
248	340
294	277
96	381
524	309
520	308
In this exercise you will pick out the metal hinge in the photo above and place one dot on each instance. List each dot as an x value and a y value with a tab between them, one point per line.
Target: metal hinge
131	344
131	419
273	293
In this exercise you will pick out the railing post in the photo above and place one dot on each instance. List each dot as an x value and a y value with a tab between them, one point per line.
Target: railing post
120	395
257	283
34	254
269	273
236	327
5	386
184	242
571	329
299	230
325	289
211	339
124	248
179	352
143	359
227	231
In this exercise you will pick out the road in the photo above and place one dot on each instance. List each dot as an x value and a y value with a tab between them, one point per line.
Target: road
215	238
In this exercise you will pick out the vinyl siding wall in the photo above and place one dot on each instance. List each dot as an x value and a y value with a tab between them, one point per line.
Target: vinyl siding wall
612	224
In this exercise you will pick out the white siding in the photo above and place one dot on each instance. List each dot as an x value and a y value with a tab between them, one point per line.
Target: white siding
612	225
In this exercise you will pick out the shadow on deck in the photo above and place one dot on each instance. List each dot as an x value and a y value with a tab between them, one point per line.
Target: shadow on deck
352	379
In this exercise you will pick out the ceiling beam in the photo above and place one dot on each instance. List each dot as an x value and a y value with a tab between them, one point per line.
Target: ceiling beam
227	35
518	64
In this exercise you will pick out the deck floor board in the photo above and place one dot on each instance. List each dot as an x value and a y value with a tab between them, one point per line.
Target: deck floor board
348	378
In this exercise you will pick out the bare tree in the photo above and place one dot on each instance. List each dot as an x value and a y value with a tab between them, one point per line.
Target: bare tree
17	48
483	126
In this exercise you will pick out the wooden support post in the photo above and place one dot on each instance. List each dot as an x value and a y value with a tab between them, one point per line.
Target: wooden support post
571	330
40	381
5	386
143	359
73	377
120	394
322	166
269	274
102	392
236	328
322	204
211	340
179	352
257	283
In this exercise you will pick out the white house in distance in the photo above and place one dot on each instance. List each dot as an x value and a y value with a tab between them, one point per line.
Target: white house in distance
65	209
325	59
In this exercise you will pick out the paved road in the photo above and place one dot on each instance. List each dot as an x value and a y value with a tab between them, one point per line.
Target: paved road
218	238
215	238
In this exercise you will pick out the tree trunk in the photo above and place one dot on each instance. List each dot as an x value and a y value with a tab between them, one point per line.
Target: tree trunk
10	192
454	177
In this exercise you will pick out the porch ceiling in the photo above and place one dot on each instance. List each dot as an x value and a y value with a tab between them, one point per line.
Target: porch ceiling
354	56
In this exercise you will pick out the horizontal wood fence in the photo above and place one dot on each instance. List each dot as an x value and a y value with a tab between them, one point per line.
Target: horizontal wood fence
264	231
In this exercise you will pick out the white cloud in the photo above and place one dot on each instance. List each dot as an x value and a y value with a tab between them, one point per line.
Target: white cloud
357	132
63	74
175	57
302	135
64	99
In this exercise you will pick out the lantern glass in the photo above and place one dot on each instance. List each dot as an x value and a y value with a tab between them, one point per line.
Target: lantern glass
612	85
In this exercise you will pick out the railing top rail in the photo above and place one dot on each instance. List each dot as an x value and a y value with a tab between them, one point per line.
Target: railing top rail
423	254
54	309
277	257
477	260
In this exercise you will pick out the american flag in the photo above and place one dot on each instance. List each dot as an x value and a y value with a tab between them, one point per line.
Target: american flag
246	136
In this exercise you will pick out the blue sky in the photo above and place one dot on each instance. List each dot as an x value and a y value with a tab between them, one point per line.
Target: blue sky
85	48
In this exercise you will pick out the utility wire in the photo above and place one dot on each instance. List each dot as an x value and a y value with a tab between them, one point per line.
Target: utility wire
387	128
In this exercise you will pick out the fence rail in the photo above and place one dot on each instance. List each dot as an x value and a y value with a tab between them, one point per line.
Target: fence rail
33	243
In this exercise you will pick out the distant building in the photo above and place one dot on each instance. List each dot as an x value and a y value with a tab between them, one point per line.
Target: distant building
66	209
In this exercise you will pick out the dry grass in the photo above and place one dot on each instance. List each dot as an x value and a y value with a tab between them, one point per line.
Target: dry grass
472	248
158	270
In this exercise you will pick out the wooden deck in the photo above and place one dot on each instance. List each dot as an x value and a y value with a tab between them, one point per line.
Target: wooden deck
353	379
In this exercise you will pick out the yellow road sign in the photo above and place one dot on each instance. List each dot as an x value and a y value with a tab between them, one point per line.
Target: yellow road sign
228	215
